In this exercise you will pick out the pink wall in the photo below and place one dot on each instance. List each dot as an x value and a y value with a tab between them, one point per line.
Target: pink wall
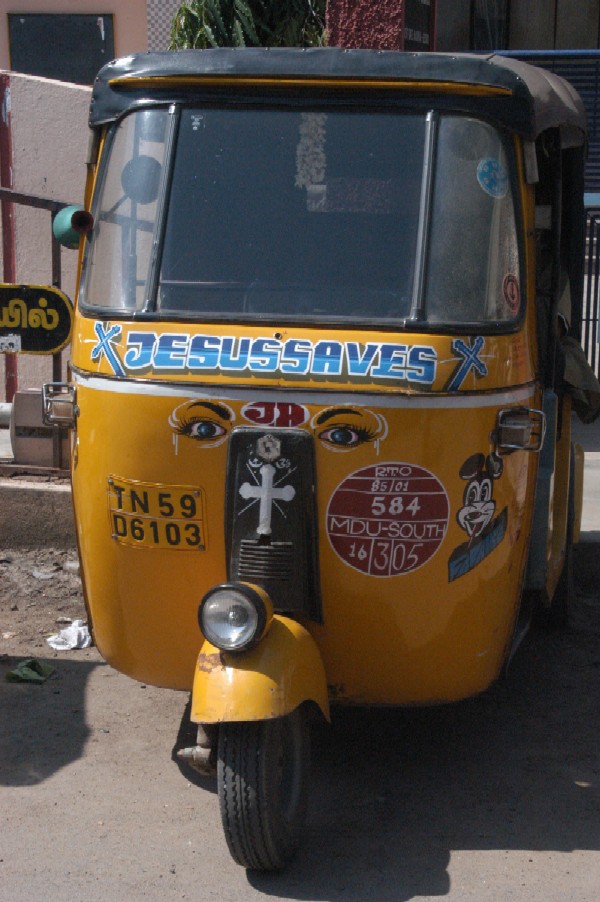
130	21
49	137
363	23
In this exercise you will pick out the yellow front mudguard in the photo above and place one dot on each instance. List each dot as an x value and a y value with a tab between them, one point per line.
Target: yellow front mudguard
284	670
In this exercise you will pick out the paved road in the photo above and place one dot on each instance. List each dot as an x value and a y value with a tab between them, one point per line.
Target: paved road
495	798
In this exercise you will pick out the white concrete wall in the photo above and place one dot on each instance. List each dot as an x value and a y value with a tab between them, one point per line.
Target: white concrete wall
50	138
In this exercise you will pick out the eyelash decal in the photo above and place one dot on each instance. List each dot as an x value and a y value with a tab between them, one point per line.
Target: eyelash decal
358	435
192	428
207	428
345	428
208	424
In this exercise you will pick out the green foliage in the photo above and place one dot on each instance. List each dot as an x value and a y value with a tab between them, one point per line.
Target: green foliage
248	23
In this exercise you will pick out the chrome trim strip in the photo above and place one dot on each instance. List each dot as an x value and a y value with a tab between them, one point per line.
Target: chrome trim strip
317	397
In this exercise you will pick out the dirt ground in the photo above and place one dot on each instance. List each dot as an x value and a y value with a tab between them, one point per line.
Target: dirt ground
494	798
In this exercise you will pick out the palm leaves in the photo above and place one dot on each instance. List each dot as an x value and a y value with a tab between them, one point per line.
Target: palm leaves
253	23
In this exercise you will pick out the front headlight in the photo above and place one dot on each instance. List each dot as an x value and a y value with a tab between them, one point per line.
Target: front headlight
235	616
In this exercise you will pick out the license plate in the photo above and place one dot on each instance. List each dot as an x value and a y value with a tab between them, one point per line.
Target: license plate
153	515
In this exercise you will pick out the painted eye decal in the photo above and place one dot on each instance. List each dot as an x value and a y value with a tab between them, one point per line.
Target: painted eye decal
344	428
486	490
345	436
202	430
472	493
207	423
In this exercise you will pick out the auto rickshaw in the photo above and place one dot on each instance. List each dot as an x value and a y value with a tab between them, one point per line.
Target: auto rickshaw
318	397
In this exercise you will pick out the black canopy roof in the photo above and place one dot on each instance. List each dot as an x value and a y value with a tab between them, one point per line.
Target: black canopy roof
522	97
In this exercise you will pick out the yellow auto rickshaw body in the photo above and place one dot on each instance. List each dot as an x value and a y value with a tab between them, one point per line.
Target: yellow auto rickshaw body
426	406
153	536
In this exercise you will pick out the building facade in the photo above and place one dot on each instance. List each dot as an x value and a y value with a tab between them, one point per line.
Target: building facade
463	25
69	41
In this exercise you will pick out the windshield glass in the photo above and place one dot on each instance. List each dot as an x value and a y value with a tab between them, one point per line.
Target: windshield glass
317	216
288	213
473	273
117	260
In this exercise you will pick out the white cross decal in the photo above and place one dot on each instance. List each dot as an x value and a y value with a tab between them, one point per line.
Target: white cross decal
267	494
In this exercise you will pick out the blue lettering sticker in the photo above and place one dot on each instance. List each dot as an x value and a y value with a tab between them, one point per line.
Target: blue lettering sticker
264	357
469	353
171	352
296	356
360	364
492	177
392	362
181	352
421	364
232	360
204	352
140	347
108	338
328	358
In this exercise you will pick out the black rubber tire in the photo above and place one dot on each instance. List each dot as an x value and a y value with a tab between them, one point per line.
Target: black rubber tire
262	775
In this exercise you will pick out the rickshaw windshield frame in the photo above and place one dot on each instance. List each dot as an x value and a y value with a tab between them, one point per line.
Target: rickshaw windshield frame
326	213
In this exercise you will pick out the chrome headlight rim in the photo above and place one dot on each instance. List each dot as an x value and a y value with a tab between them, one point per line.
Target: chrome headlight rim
252	595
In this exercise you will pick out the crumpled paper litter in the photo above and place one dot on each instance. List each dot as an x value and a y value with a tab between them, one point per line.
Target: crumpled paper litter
77	635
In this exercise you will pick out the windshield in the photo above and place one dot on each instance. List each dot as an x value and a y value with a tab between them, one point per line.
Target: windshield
473	271
117	259
318	216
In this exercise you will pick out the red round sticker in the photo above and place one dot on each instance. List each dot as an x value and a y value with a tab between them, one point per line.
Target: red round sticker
388	519
512	294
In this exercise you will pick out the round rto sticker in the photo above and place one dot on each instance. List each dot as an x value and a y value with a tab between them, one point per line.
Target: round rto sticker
388	518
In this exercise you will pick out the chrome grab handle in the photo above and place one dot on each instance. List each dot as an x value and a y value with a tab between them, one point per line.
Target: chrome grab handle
520	429
59	406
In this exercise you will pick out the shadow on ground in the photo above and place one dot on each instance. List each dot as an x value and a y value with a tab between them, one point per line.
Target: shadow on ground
42	726
396	792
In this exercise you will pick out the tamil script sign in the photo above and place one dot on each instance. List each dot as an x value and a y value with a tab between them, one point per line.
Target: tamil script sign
34	319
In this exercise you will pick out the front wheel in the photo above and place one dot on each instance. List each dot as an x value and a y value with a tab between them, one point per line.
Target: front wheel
262	775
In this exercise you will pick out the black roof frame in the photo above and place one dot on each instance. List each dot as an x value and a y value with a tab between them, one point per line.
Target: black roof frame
523	98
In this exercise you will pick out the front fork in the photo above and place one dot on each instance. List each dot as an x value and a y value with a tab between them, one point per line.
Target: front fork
282	672
271	542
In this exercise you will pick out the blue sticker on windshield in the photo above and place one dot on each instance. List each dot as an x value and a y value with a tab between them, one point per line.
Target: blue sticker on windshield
492	177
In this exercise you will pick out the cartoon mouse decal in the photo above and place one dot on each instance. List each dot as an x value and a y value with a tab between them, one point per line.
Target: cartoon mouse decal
478	504
476	516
